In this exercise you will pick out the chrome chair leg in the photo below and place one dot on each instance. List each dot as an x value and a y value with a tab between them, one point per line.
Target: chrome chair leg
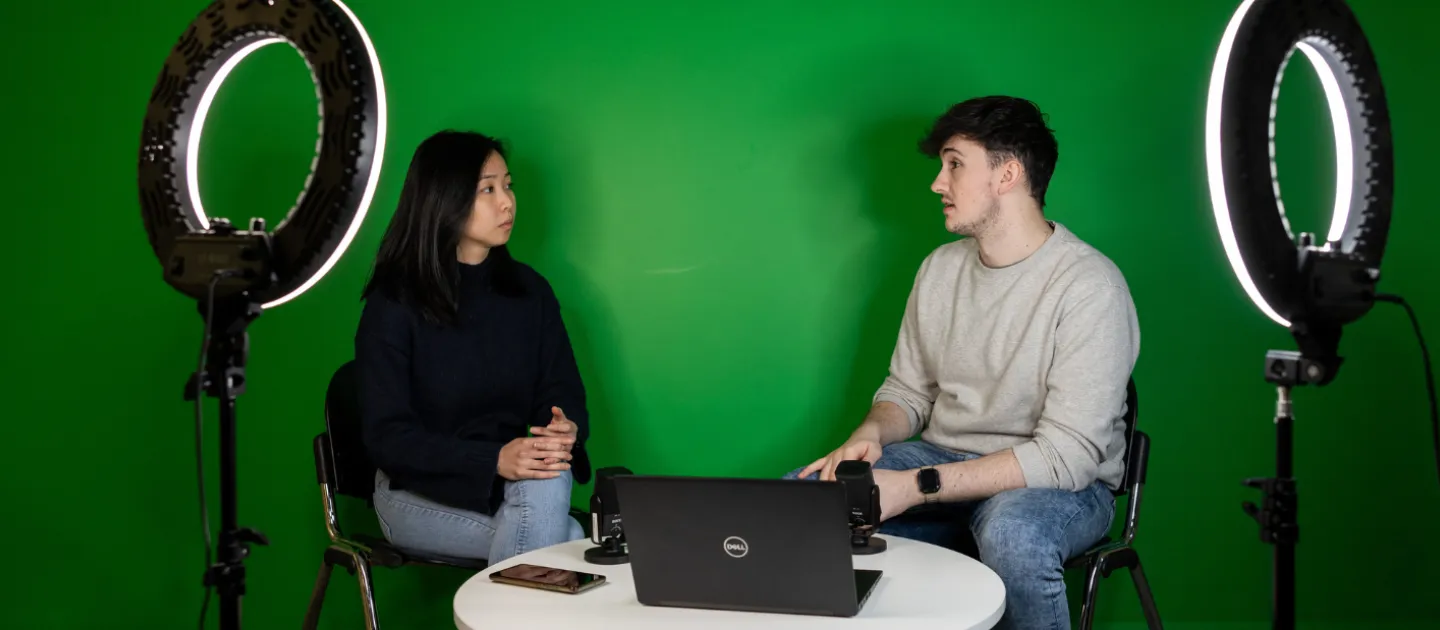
1092	587
367	591
317	597
1147	600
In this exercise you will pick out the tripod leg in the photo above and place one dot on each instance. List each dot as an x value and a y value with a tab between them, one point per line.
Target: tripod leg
317	597
367	591
1147	599
1092	587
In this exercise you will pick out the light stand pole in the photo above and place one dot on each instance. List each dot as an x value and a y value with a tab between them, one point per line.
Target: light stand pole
224	379
1278	512
1339	289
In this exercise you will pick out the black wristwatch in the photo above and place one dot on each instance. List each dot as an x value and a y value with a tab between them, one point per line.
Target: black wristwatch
929	481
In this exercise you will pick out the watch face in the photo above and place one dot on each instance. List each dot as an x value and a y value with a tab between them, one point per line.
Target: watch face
929	480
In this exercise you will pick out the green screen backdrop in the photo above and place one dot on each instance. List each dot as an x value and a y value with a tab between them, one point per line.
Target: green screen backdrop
728	200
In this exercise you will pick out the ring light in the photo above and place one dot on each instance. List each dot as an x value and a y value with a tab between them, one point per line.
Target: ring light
273	268
1245	194
235	274
1312	288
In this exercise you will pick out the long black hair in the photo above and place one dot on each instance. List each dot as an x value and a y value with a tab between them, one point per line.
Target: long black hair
416	263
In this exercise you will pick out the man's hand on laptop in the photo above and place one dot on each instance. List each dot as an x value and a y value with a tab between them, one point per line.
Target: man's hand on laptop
853	449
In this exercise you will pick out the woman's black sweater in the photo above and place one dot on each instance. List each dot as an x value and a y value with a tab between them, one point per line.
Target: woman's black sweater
438	402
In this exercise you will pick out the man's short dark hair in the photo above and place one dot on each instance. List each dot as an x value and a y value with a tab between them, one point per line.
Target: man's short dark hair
1008	127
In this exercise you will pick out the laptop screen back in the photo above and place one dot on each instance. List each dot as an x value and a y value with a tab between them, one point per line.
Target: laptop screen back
745	544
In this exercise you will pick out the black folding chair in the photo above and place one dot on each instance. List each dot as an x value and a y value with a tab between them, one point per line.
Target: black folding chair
343	468
1108	555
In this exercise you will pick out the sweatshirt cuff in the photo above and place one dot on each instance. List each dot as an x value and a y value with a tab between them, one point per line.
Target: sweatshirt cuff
1033	466
905	405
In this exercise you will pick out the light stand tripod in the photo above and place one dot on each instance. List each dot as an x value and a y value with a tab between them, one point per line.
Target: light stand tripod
1278	510
1338	289
223	378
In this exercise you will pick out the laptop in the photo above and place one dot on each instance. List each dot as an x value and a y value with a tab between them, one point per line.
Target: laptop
757	545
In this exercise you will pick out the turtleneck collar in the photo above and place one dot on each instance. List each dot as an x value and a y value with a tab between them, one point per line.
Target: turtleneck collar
475	276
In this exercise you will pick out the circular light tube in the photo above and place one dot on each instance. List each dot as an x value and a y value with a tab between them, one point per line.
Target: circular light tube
197	128
346	169
1240	116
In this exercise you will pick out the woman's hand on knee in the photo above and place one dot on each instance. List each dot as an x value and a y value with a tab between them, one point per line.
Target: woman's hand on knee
560	428
533	458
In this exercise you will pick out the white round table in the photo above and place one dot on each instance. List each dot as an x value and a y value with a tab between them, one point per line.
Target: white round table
921	583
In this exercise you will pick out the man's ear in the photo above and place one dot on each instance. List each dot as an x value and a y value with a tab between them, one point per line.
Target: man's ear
1011	174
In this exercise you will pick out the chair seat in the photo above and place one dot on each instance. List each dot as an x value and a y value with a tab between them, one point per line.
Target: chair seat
1084	557
385	554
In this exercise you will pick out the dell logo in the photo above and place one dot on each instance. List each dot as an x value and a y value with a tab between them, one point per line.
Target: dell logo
736	547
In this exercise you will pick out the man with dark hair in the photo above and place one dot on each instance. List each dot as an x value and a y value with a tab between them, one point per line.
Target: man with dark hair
1011	365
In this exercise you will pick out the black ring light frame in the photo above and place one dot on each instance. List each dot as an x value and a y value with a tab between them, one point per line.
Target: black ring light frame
1313	287
344	173
235	273
1240	119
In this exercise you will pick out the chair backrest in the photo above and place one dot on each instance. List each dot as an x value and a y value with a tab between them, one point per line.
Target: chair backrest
342	447
1137	444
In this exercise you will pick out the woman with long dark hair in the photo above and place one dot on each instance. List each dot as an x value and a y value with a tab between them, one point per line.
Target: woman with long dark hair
473	408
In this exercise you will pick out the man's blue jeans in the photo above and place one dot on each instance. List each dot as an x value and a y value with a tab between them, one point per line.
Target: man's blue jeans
1024	535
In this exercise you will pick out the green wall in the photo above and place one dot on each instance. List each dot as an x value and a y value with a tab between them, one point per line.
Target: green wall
727	198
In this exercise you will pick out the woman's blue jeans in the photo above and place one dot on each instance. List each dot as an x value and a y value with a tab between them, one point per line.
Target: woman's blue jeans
534	515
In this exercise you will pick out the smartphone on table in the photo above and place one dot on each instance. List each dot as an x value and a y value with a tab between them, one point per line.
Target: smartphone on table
548	578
